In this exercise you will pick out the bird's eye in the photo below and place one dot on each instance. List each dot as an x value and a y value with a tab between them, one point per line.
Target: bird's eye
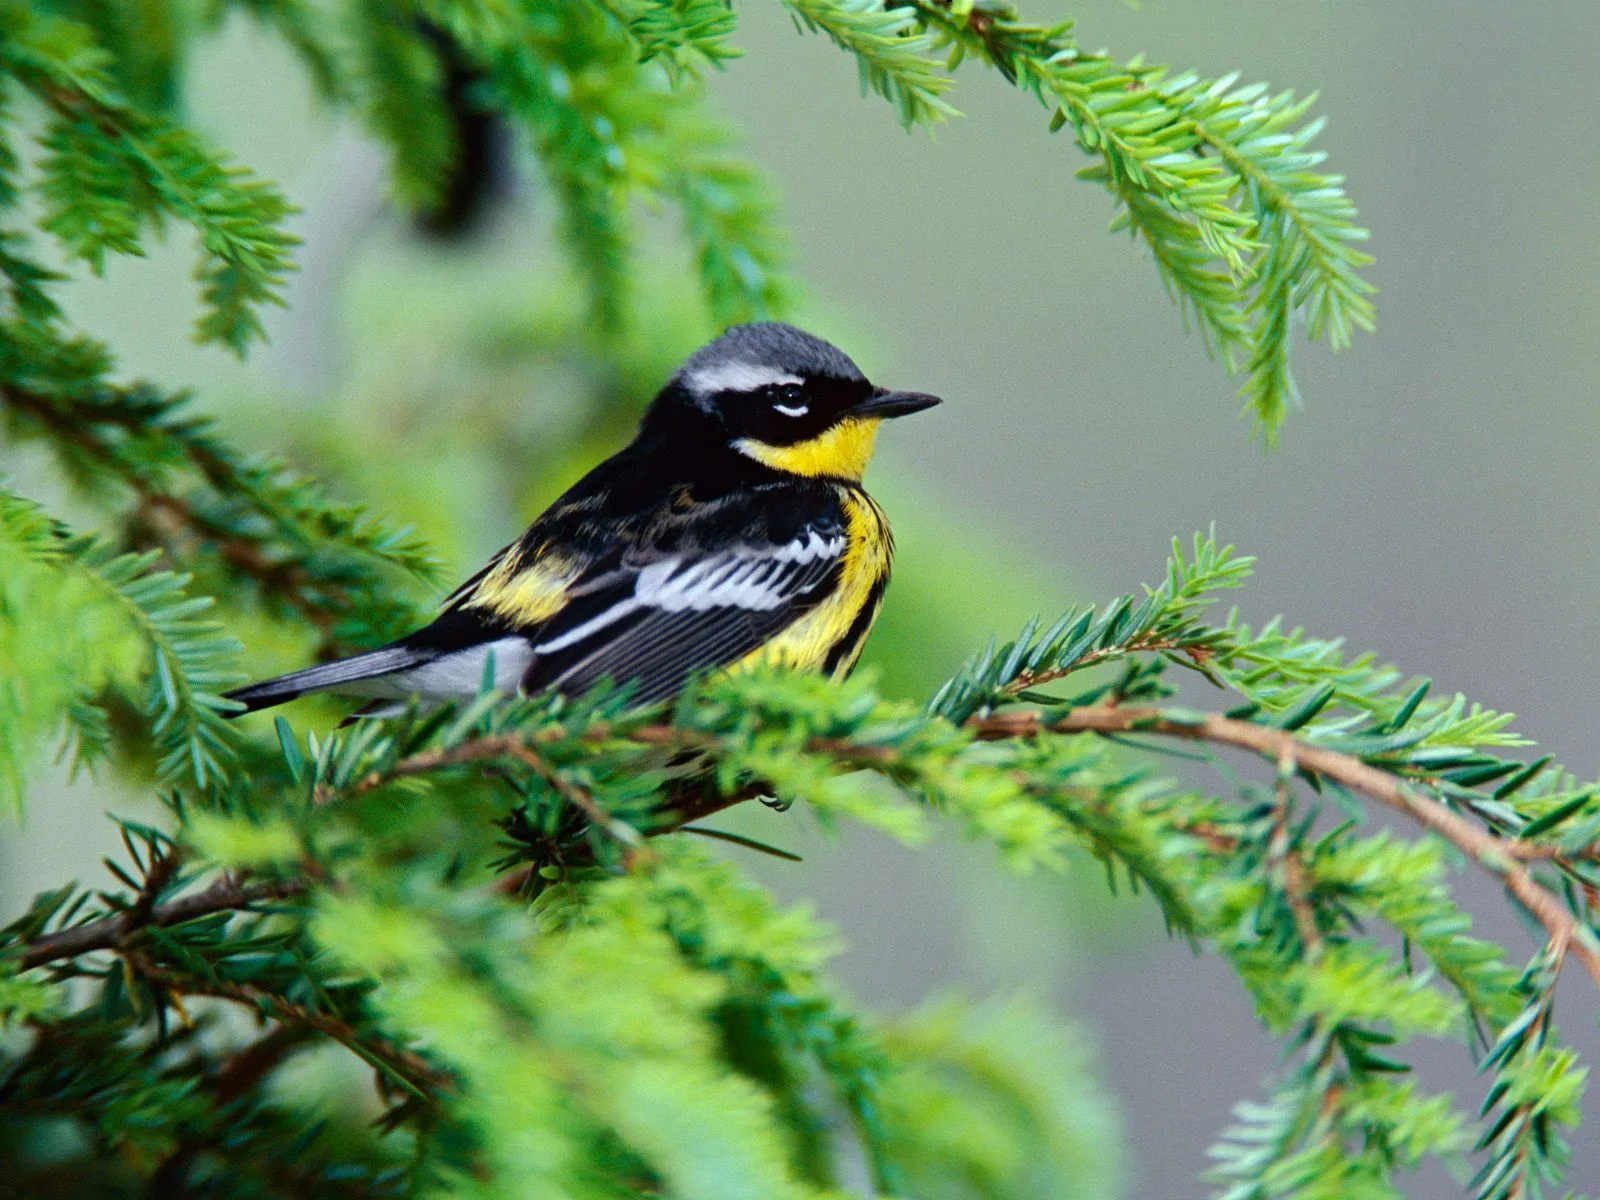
790	401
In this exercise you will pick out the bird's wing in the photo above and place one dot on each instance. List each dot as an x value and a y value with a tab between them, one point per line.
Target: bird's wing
662	614
465	589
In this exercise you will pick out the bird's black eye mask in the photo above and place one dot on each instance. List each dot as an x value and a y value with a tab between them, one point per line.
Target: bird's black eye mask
785	414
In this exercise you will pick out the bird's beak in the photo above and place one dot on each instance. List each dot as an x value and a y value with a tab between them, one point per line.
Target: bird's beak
884	403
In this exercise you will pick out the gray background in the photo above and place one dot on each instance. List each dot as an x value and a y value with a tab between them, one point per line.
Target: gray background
1433	502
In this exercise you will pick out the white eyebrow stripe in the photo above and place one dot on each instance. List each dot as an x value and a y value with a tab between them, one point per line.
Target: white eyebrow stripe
738	377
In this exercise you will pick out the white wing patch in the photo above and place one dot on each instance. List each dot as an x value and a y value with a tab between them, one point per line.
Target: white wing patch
810	548
753	581
737	377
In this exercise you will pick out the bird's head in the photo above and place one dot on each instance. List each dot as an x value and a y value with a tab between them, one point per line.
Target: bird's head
784	398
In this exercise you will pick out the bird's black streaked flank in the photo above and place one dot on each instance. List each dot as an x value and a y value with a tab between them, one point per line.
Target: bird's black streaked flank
734	528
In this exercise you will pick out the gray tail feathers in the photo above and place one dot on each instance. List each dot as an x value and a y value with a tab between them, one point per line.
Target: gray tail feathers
329	675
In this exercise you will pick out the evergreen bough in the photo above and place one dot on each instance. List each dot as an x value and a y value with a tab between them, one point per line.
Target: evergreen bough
485	904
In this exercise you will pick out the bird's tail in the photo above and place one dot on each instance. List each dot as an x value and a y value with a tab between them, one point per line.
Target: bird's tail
339	674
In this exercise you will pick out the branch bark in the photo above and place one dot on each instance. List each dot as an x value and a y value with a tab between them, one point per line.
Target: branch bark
161	514
225	894
405	1065
1504	857
1501	856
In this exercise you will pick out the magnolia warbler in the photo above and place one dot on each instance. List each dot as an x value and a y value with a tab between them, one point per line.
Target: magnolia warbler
734	528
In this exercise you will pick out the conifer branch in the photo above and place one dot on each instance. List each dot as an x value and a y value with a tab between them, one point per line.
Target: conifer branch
400	83
1218	180
631	995
1534	1090
607	131
399	1063
152	636
268	527
191	660
896	59
227	893
683	35
112	169
140	434
1494	854
307	29
730	220
236	1077
1503	857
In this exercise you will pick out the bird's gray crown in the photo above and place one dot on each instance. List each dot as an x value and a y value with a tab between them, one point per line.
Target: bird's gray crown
749	357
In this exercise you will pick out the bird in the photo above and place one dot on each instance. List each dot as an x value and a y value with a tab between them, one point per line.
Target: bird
733	529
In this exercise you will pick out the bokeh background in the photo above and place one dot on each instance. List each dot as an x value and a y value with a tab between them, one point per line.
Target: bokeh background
1434	502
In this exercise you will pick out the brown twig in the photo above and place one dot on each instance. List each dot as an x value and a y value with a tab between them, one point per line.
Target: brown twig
109	933
577	797
1504	857
1213	835
251	1064
681	808
1497	855
483	749
168	516
520	748
1144	643
240	1072
1290	867
406	1065
162	871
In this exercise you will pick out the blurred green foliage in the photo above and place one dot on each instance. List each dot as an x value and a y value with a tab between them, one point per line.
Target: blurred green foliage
468	951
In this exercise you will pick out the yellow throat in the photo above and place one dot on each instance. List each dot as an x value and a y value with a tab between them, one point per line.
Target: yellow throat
841	451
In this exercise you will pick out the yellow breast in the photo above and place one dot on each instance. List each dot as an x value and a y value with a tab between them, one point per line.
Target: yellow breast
838	627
